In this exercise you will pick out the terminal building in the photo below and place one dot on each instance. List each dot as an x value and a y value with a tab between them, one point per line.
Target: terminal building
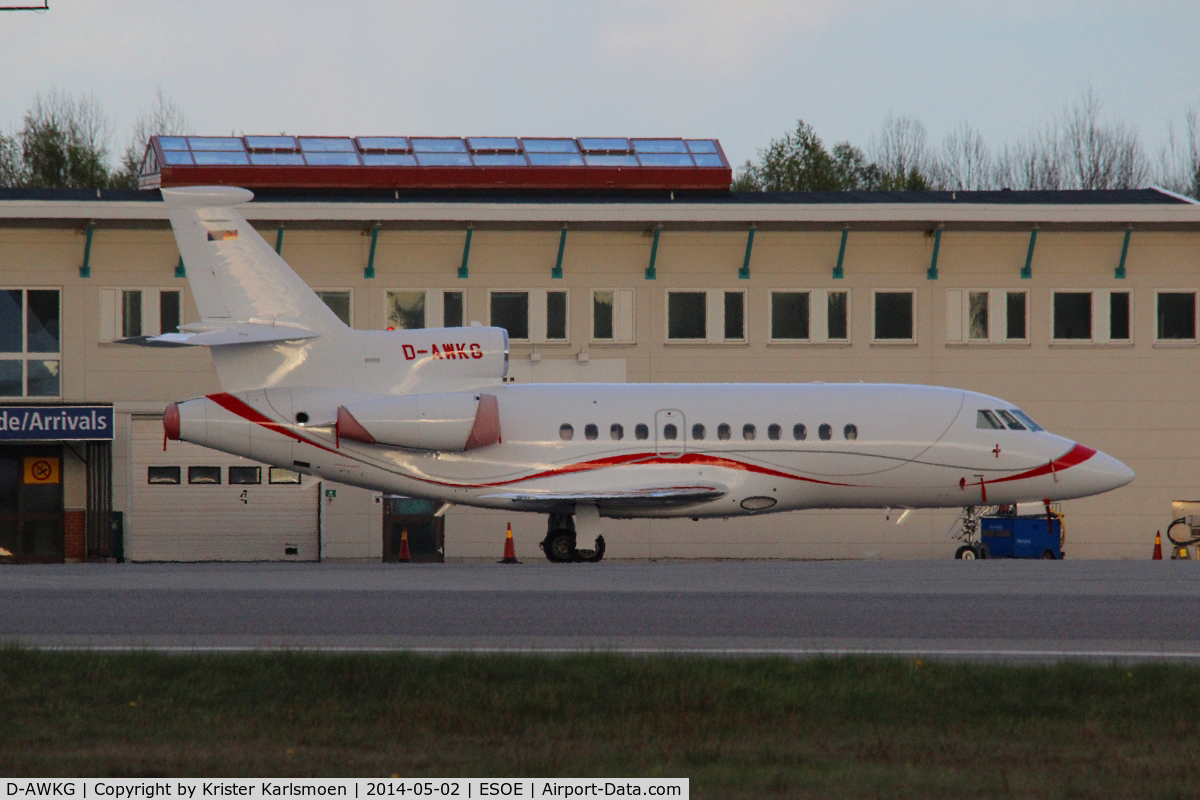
607	260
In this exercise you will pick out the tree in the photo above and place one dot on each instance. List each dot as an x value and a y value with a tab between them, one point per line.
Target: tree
12	169
1098	155
1179	160
965	162
901	151
163	118
799	162
64	142
1036	163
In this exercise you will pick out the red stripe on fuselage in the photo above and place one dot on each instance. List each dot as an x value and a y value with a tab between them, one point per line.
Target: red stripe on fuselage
1076	455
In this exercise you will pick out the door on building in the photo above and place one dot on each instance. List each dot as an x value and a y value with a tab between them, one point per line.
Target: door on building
31	505
669	432
426	533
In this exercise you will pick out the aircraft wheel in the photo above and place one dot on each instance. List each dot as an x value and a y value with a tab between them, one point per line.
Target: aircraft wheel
592	556
966	553
560	547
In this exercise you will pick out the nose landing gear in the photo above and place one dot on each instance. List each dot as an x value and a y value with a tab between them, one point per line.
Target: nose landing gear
561	540
968	533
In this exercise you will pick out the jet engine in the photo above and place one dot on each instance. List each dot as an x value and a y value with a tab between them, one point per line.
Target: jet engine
437	421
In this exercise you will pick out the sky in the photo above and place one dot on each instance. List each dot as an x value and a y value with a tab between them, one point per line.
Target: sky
742	72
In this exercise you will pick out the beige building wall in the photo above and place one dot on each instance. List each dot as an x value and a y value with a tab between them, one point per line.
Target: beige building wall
1134	400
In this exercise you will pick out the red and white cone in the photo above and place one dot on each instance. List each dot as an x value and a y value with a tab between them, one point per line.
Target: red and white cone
510	552
1157	546
405	556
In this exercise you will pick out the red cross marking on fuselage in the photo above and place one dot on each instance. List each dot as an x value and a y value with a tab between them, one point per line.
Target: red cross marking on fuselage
997	451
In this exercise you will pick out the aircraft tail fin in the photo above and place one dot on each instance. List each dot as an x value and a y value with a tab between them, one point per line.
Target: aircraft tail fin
235	276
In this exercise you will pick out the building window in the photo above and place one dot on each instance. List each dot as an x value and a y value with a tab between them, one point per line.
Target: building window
789	316
814	315
452	309
894	316
986	315
207	475
169	311
510	310
128	313
612	316
131	313
167	475
556	316
281	475
686	316
735	316
1177	316
245	476
338	301
1073	315
405	310
1099	316
537	316
689	312
30	344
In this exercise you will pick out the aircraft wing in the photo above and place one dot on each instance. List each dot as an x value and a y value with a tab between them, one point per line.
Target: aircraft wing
614	499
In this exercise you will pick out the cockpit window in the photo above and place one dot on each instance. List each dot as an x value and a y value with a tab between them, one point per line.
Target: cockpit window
1010	420
1021	415
987	420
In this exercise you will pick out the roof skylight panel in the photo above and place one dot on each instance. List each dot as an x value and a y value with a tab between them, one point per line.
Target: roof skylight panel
555	159
173	142
331	159
550	145
321	144
276	159
270	143
226	158
500	160
494	144
665	159
373	143
216	143
604	145
659	146
610	161
389	159
443	159
702	145
174	158
439	145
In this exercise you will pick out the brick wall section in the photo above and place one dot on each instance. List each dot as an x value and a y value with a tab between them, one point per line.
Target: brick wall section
74	528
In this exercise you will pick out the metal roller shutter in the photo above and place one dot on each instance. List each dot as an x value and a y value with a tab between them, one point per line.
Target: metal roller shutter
214	522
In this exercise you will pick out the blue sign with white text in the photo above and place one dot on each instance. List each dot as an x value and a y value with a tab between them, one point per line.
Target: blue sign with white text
44	423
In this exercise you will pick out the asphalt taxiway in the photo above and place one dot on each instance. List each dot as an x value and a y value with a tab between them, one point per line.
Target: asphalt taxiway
992	610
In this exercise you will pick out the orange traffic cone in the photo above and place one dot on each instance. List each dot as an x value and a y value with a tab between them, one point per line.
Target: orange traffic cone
1157	546
405	557
510	552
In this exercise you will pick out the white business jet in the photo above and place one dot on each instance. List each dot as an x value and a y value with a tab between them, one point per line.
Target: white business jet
426	413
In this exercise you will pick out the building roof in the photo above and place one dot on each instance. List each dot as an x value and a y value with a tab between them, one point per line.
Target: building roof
708	210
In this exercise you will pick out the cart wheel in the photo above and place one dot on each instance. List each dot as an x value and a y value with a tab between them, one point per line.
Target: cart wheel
1049	554
966	553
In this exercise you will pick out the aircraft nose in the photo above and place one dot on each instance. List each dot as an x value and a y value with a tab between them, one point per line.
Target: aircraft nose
1107	473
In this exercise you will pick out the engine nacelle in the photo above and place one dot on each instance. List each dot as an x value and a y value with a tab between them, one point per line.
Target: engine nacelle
436	421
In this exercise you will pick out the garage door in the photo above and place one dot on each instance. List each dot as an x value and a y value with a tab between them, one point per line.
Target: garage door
191	503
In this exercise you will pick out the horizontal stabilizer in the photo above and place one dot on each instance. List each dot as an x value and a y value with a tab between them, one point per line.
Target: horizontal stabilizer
245	333
648	497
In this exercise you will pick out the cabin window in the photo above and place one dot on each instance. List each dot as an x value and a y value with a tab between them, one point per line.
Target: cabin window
616	432
748	431
1010	420
774	432
799	432
1029	423
670	432
566	432
894	316
698	432
641	431
987	420
850	432
825	432
1177	316
724	432
591	432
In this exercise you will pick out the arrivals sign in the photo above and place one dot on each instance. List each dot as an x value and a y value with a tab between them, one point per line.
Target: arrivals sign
55	423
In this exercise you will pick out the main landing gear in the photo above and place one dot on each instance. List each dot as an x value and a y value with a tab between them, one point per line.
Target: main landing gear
560	542
968	534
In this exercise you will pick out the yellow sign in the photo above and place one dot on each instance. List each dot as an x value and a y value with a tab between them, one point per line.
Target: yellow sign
41	469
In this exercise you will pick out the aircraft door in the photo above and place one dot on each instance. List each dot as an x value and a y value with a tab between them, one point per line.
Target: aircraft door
670	432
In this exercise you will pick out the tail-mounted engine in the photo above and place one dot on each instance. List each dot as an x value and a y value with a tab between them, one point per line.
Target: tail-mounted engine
441	421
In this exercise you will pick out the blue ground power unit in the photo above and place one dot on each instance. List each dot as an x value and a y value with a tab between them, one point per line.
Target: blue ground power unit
1022	537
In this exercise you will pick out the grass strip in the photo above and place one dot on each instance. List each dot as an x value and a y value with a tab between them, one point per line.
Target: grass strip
745	728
